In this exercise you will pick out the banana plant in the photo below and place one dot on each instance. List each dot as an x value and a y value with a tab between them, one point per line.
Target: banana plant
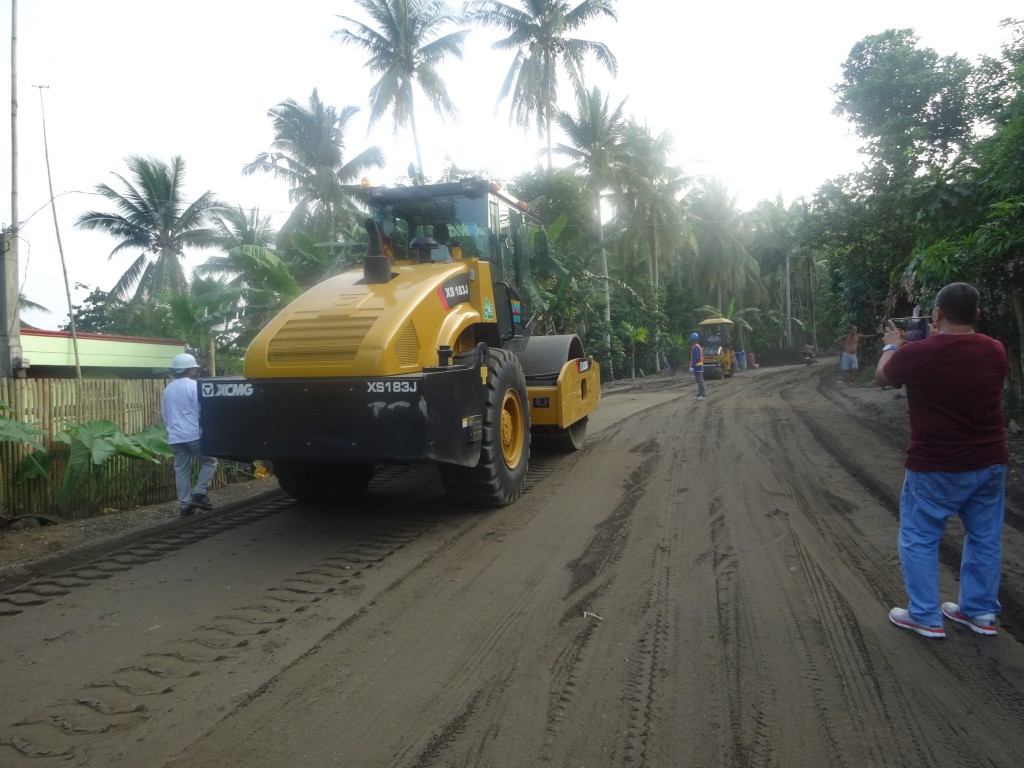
634	335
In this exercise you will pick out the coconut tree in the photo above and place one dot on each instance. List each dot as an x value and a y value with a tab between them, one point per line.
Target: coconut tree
406	46
238	233
308	152
263	282
24	302
539	37
776	242
723	266
236	226
202	313
647	191
594	134
153	219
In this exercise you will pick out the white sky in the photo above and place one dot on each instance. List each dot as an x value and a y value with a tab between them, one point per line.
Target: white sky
743	87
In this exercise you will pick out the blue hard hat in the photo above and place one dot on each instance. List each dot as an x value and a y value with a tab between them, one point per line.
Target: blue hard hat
694	337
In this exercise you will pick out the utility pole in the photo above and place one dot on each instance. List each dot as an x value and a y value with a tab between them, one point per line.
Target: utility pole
56	229
10	328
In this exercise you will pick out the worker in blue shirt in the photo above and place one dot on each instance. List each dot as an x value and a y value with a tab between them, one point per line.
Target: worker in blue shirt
697	366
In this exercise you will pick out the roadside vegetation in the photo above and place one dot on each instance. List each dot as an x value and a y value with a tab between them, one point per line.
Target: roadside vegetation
643	250
79	469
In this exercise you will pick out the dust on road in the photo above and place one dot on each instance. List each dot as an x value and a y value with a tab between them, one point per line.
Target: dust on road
705	584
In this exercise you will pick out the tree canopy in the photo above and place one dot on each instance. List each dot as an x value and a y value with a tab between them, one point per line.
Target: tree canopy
640	250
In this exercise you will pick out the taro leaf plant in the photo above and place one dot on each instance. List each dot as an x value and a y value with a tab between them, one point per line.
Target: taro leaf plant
14	431
90	447
153	439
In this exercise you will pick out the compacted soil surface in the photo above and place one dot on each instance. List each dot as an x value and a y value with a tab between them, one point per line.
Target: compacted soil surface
706	583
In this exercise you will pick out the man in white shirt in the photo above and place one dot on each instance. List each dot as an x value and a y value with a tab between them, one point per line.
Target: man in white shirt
180	409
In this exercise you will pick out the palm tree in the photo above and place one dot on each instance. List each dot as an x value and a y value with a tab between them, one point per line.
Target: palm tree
308	152
249	267
153	218
647	192
24	302
539	37
723	262
236	226
594	135
263	283
775	241
202	313
405	48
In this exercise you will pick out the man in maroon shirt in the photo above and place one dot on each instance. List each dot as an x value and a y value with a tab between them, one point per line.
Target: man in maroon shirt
956	462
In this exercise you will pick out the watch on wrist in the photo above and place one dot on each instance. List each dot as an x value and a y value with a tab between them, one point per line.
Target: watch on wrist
889	348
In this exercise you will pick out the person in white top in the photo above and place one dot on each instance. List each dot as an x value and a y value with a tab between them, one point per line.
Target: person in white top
180	409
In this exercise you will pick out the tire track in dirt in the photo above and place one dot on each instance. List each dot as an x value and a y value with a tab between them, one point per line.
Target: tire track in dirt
440	742
837	648
900	729
850	663
461	713
730	635
749	697
833	517
602	551
1011	618
648	666
611	534
839	652
126	699
40	591
490	684
148	689
737	439
646	649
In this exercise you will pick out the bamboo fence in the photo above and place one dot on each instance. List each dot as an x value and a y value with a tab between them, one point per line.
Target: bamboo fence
50	405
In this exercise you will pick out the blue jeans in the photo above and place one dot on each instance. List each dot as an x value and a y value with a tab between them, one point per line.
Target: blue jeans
927	501
183	453
699	376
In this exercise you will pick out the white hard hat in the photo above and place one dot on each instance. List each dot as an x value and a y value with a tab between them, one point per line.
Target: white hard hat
183	362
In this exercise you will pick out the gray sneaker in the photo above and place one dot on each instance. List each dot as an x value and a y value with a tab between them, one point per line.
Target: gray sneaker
901	618
201	501
983	625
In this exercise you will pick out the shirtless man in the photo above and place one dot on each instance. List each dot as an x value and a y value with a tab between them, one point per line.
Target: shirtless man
848	362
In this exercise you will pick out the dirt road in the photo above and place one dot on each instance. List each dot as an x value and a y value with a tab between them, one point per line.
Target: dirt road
705	584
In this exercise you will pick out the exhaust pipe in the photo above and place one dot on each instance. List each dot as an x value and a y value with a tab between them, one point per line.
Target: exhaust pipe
376	266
